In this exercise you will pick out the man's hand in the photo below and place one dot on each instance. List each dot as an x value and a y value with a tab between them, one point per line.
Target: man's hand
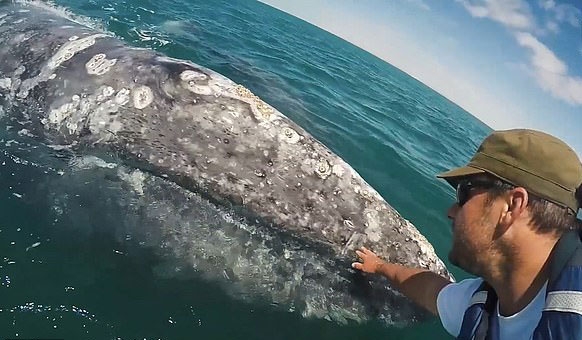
371	263
420	285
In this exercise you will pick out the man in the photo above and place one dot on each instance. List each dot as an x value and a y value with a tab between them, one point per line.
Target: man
515	228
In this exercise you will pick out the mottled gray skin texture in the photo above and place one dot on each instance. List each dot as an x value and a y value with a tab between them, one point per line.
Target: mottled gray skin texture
70	85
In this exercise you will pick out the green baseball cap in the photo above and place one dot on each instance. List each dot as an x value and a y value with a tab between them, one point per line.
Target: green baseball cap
536	161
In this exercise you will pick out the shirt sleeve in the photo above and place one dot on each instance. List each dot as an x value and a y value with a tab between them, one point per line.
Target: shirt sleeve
452	302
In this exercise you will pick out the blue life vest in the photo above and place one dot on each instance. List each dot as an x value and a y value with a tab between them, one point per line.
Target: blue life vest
562	314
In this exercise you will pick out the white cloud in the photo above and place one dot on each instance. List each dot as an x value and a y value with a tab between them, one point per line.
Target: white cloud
510	13
420	4
517	14
547	4
568	13
552	26
563	13
550	72
559	14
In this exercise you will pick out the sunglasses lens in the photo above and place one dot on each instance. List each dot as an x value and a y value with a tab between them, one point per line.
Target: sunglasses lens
464	189
459	194
462	193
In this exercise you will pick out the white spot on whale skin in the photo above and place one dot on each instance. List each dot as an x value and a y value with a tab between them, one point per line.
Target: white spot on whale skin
73	38
72	127
99	64
25	132
19	70
5	83
338	170
322	169
289	135
108	91
65	52
190	75
122	97
199	89
373	230
96	59
142	97
349	224
56	116
68	50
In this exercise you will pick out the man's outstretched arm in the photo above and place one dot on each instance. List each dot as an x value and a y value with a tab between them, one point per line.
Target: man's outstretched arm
420	285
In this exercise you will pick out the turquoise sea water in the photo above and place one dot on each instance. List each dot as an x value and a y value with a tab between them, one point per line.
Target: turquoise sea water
395	131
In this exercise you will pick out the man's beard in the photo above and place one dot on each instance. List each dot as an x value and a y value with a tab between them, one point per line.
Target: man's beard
463	254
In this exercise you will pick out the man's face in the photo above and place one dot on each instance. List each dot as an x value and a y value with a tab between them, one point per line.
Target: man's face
474	224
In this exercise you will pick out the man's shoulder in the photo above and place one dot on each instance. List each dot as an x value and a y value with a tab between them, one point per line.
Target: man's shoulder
458	294
452	302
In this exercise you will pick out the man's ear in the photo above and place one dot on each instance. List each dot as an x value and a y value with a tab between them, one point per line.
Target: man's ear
517	201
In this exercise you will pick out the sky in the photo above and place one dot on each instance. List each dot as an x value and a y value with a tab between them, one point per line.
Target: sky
510	63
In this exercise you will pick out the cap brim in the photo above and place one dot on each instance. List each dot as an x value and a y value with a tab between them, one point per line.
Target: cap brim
451	175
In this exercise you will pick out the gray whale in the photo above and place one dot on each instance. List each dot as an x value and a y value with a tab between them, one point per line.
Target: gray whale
189	129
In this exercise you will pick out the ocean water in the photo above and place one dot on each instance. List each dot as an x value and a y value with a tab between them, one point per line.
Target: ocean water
71	281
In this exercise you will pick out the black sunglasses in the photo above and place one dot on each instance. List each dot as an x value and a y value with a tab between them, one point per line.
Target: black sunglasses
464	189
